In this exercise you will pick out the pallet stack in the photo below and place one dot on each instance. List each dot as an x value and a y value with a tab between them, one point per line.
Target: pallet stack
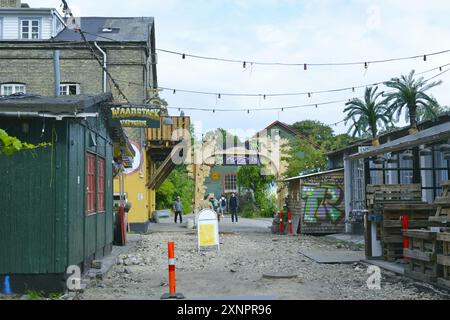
443	260
443	203
391	226
389	203
421	255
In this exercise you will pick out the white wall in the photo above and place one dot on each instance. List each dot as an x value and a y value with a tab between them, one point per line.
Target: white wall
10	26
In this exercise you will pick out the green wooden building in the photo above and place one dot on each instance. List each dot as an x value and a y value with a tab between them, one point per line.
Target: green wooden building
57	201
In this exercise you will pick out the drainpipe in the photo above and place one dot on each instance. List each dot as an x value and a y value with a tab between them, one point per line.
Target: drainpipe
104	66
57	71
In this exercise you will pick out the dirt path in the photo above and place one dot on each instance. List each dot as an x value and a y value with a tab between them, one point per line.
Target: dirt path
237	272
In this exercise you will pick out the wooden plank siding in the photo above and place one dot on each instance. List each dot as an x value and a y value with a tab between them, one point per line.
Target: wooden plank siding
43	224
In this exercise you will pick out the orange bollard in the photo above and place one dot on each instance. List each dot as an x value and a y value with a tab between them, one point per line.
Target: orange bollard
172	279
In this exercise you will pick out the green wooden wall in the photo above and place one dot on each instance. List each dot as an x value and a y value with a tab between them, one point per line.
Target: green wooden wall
43	226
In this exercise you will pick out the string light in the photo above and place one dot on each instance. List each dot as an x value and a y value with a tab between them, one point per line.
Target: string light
219	96
174	91
366	63
305	66
309	94
425	58
244	65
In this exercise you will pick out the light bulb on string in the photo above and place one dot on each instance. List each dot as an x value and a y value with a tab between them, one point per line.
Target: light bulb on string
425	58
219	96
264	97
244	64
282	109
305	67
353	89
214	111
440	68
316	106
183	56
248	111
174	91
366	65
309	94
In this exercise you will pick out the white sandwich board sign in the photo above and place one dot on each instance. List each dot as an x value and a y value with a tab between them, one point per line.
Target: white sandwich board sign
208	229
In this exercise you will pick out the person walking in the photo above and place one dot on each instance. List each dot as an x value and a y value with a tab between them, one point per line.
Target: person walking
222	205
178	209
234	205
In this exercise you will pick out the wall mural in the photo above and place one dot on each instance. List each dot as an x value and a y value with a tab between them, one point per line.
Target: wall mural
323	203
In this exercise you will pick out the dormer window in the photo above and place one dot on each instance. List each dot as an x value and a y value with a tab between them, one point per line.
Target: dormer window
30	28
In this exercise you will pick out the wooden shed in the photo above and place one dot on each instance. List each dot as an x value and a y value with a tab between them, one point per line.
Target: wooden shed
56	201
317	202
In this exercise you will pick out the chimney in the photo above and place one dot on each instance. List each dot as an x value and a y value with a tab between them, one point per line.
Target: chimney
10	3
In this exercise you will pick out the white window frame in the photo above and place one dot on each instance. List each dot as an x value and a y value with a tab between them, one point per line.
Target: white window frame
15	88
64	89
30	33
225	186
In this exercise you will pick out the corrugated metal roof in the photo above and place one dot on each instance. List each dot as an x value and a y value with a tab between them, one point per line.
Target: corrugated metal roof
313	174
128	29
427	136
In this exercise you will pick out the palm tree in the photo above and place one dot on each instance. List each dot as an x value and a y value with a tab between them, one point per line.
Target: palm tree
367	114
410	93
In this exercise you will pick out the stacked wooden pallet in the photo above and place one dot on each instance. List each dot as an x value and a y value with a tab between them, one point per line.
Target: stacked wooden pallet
391	226
390	202
443	205
443	260
422	255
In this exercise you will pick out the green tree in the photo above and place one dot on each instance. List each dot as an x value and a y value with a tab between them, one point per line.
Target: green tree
368	114
304	157
177	184
10	145
250	178
410	94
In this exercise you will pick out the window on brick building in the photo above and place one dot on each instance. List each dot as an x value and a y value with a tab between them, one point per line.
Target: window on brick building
12	88
69	89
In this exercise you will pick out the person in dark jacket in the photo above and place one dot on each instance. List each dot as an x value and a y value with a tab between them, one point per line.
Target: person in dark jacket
234	205
178	209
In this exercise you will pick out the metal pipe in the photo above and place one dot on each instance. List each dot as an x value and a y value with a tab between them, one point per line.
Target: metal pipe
104	66
57	71
20	114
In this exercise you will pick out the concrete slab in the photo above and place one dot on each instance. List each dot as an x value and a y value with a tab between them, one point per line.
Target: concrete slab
109	261
333	256
279	275
389	266
351	238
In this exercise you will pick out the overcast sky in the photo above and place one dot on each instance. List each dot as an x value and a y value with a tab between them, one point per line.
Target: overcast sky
291	31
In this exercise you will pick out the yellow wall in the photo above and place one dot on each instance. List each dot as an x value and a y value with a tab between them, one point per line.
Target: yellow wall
142	200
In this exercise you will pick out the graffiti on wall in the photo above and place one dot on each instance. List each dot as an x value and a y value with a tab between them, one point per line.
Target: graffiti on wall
323	203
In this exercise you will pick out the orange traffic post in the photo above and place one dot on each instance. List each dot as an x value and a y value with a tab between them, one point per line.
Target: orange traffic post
172	279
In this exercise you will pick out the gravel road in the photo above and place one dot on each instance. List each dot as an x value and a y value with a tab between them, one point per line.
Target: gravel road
238	269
